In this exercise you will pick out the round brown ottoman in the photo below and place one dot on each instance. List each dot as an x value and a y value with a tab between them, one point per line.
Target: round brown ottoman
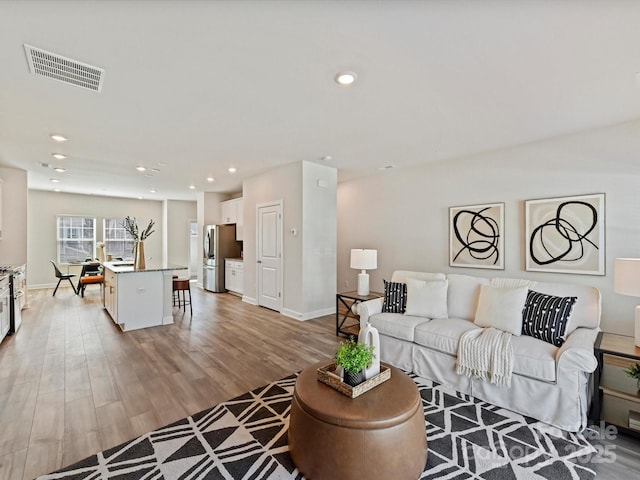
378	435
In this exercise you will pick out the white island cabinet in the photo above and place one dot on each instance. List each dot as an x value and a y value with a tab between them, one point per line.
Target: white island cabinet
139	298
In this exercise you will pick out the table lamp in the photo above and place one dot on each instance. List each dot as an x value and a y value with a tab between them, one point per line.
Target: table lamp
626	281
364	260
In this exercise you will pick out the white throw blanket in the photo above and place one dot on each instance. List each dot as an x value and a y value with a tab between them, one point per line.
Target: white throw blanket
486	353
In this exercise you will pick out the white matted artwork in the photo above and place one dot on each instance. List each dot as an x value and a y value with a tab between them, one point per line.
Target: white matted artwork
566	235
476	236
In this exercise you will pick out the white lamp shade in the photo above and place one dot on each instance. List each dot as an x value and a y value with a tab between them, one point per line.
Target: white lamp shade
362	259
626	277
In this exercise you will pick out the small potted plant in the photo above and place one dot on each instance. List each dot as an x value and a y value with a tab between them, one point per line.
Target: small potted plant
353	357
634	372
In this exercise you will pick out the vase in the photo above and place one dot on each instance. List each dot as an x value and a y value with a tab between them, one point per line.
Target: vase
138	256
354	379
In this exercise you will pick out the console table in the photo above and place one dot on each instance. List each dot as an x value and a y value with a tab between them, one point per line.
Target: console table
616	398
345	303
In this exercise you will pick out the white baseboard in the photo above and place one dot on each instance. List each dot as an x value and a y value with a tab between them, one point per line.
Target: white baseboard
249	300
47	285
309	315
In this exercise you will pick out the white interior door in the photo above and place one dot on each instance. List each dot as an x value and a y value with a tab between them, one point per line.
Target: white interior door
269	256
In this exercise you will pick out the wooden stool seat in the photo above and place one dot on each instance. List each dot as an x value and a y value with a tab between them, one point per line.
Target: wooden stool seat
182	285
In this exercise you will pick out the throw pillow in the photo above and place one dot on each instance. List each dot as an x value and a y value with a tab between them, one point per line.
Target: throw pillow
546	317
395	297
426	299
501	308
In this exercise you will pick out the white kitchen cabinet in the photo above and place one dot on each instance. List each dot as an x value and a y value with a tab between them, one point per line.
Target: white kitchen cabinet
234	276
228	212
231	212
110	294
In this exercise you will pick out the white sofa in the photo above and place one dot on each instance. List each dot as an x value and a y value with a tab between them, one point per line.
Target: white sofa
549	383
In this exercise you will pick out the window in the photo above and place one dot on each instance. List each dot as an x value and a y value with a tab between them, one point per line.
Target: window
76	238
117	242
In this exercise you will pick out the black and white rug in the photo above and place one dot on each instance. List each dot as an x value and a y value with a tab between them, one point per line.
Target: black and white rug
246	438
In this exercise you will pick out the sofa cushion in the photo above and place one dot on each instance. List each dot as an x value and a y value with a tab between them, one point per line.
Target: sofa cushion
463	294
534	358
545	317
501	308
395	297
442	334
586	311
426	299
402	275
396	325
531	357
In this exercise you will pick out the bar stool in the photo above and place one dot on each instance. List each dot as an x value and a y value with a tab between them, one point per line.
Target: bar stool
182	285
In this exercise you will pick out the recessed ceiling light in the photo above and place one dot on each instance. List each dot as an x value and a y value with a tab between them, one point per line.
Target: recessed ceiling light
326	158
386	167
55	180
155	170
58	156
232	170
192	187
56	189
153	190
140	168
210	179
59	138
60	169
140	198
345	78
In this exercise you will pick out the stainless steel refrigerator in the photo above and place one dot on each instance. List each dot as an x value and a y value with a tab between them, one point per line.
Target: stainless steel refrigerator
219	243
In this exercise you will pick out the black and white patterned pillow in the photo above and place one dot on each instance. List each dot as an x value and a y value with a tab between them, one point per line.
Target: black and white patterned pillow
395	297
546	317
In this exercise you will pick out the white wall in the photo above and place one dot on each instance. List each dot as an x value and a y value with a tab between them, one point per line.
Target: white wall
281	183
309	262
404	213
319	238
13	246
44	207
178	236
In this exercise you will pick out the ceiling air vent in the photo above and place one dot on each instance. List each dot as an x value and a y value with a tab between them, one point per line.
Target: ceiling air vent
64	69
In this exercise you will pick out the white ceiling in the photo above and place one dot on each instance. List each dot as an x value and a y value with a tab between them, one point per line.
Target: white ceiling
192	88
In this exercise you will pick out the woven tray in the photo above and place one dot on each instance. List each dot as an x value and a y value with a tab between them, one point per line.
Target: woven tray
327	375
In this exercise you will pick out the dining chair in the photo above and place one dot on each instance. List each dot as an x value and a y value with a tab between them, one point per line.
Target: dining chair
62	276
91	275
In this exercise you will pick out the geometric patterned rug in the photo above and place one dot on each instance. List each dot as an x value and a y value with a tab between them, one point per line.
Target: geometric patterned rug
246	438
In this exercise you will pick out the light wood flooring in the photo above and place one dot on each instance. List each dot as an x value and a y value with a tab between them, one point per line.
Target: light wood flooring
72	384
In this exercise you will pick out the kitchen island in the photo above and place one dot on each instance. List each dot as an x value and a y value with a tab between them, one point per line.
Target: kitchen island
139	298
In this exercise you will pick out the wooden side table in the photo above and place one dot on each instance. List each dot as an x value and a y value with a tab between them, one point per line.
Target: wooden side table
616	398
345	302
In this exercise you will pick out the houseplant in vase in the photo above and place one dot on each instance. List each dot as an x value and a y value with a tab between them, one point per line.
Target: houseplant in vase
634	372
131	226
353	357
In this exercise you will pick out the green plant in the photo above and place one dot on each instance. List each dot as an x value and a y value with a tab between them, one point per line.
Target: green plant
353	356
131	226
633	371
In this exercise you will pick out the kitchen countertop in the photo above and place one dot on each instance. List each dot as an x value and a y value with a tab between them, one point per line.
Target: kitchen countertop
127	267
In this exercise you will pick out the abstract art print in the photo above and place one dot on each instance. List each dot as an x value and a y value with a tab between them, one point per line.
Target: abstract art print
565	235
476	236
